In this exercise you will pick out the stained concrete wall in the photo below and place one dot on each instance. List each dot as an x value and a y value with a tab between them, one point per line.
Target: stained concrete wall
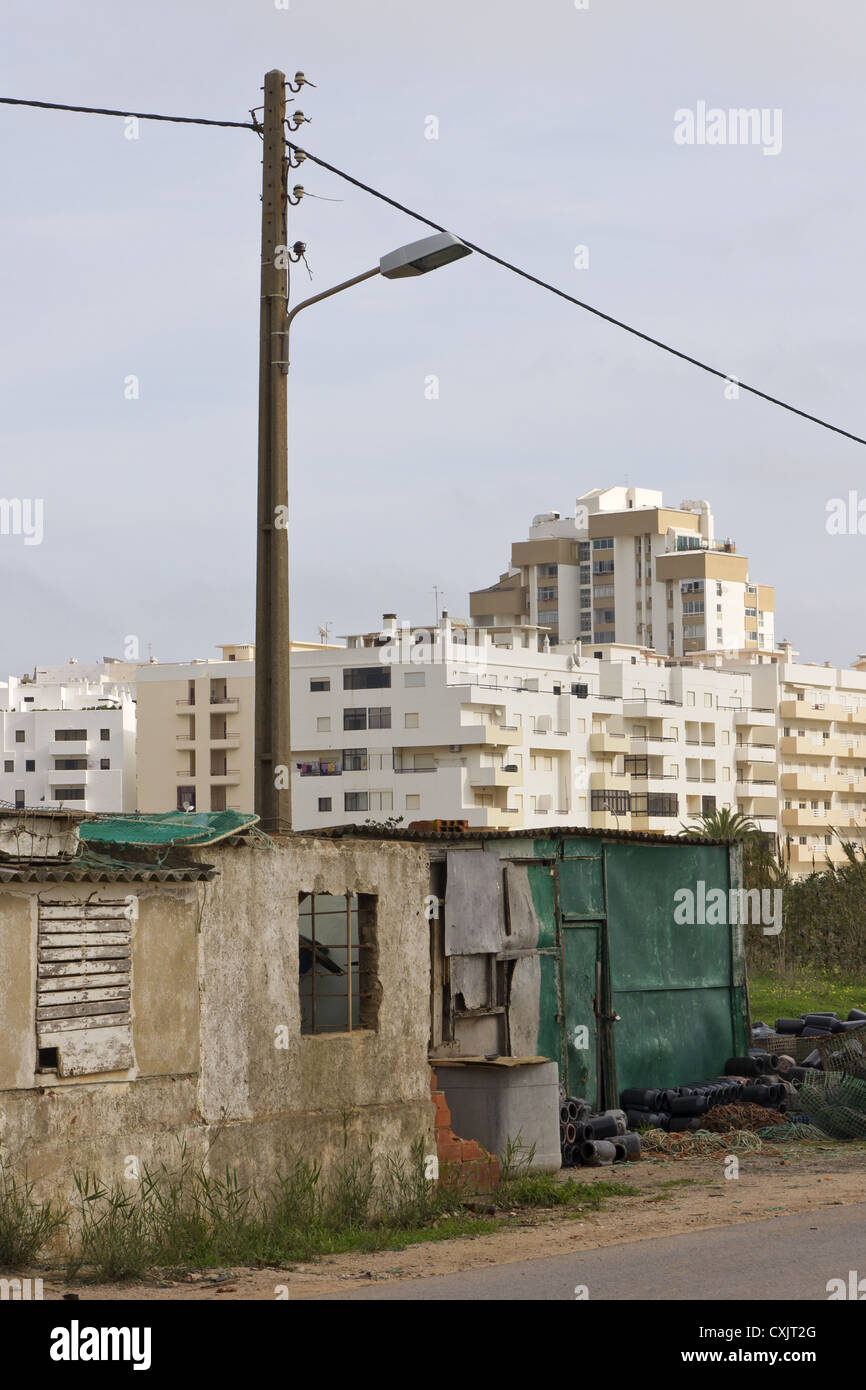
214	998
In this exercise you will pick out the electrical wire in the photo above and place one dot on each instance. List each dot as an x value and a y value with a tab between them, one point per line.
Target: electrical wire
727	377
579	303
140	115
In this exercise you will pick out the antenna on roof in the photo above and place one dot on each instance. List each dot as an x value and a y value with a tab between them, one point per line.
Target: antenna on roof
325	632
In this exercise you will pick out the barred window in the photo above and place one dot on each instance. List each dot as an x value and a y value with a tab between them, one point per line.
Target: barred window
337	962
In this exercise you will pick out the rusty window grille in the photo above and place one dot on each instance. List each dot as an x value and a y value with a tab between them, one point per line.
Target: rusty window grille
337	962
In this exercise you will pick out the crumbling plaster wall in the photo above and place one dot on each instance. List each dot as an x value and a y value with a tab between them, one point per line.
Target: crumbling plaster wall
268	1090
215	990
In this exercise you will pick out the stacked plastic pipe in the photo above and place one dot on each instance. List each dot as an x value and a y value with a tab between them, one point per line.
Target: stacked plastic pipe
755	1079
592	1138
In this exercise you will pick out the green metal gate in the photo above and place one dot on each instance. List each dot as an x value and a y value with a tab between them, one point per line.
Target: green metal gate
630	997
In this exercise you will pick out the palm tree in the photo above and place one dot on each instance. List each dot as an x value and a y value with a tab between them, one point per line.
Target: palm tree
723	824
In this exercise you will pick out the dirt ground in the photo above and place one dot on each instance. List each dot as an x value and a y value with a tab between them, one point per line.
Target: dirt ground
674	1195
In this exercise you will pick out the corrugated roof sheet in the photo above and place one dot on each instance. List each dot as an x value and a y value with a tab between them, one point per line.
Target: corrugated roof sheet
82	871
370	832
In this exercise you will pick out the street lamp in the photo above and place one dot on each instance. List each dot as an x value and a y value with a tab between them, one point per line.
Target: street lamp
417	258
272	699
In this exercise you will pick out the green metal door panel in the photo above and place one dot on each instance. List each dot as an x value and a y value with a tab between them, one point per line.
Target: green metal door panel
580	947
671	1038
581	887
574	848
648	949
542	888
549	1013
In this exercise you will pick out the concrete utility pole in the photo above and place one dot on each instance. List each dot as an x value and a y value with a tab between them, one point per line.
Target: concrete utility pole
273	802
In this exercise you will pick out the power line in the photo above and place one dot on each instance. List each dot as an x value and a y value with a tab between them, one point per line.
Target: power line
140	115
581	304
479	250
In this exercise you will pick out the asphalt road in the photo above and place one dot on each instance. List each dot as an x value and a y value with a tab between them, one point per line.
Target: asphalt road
789	1257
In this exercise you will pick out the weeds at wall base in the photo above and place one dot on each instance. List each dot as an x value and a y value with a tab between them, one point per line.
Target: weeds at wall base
183	1218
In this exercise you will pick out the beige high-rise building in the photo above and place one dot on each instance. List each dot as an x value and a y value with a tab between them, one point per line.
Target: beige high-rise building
626	569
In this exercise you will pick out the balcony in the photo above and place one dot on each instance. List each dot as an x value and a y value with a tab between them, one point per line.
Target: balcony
755	753
232	741
607	820
608	781
230	778
793	745
607	742
810	785
494	777
496	735
71	777
799	819
185	741
69	747
804	709
223	706
754	719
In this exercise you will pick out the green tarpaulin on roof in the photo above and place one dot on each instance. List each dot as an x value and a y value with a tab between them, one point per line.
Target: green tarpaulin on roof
166	828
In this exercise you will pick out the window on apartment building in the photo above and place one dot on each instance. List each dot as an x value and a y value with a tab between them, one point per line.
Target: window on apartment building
410	721
356	801
585	574
635	766
413	801
547	594
379	717
708	805
586	622
718	634
319	686
29	764
382	801
618	802
354	760
354	718
602	567
9	765
414	678
338	985
323	724
583	549
690	697
324	803
693	606
708	700
19	735
104	764
69	794
605	615
366	677
603	543
105	735
751	612
605	636
580	690
70	764
19	801
718	590
61	736
585	598
673	770
186	798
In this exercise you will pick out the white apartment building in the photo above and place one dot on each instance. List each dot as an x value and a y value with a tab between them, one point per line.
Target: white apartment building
68	737
504	734
820	772
627	570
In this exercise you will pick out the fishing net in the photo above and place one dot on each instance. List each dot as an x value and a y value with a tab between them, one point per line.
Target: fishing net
836	1103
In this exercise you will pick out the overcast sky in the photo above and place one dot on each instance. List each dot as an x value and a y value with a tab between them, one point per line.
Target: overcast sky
555	130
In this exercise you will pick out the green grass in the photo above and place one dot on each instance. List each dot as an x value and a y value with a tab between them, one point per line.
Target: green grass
799	991
545	1190
183	1218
